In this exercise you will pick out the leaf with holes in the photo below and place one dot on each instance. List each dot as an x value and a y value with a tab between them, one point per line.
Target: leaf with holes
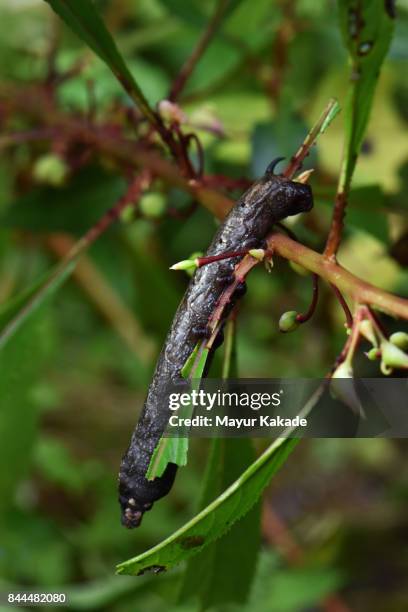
367	29
217	518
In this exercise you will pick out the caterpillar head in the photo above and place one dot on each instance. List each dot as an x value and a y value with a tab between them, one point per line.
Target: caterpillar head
286	197
132	511
137	494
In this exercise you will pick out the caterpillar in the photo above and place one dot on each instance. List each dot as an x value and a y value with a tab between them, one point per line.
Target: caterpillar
268	201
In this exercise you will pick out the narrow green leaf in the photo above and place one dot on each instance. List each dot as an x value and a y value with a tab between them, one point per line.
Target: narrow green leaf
15	312
22	321
218	517
205	575
84	19
21	363
334	109
367	29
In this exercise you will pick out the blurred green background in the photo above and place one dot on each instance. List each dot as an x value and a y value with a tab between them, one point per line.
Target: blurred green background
74	379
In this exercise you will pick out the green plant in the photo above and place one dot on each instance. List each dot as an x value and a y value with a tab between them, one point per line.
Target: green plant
162	153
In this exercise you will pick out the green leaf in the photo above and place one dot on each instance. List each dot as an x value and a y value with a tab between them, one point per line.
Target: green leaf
205	574
218	517
367	29
21	321
334	110
21	363
367	211
17	311
175	449
84	19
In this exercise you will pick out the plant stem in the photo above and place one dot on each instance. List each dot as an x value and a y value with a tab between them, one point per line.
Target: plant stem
198	51
302	318
325	118
344	305
131	195
359	290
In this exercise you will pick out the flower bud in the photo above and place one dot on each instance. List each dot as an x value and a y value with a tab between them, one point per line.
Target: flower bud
367	330
400	339
171	113
152	204
392	356
258	254
373	354
50	169
288	322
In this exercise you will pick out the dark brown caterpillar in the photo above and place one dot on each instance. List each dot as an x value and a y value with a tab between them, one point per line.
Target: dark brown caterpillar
266	202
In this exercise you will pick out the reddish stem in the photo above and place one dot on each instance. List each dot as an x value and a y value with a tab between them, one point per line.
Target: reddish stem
302	318
337	224
344	305
131	195
200	152
202	44
203	261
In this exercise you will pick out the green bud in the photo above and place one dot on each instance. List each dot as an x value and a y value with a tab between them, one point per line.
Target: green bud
392	356
196	255
372	354
400	339
128	213
152	204
171	112
287	322
258	254
185	264
367	330
50	169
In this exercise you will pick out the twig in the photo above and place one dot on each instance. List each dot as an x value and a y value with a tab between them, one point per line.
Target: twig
302	318
131	196
344	305
359	290
325	118
280	50
39	134
336	227
129	154
198	51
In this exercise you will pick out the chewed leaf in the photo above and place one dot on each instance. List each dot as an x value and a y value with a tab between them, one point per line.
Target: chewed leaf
367	30
174	450
217	518
169	450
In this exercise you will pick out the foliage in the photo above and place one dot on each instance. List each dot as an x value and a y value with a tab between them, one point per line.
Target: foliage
79	335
